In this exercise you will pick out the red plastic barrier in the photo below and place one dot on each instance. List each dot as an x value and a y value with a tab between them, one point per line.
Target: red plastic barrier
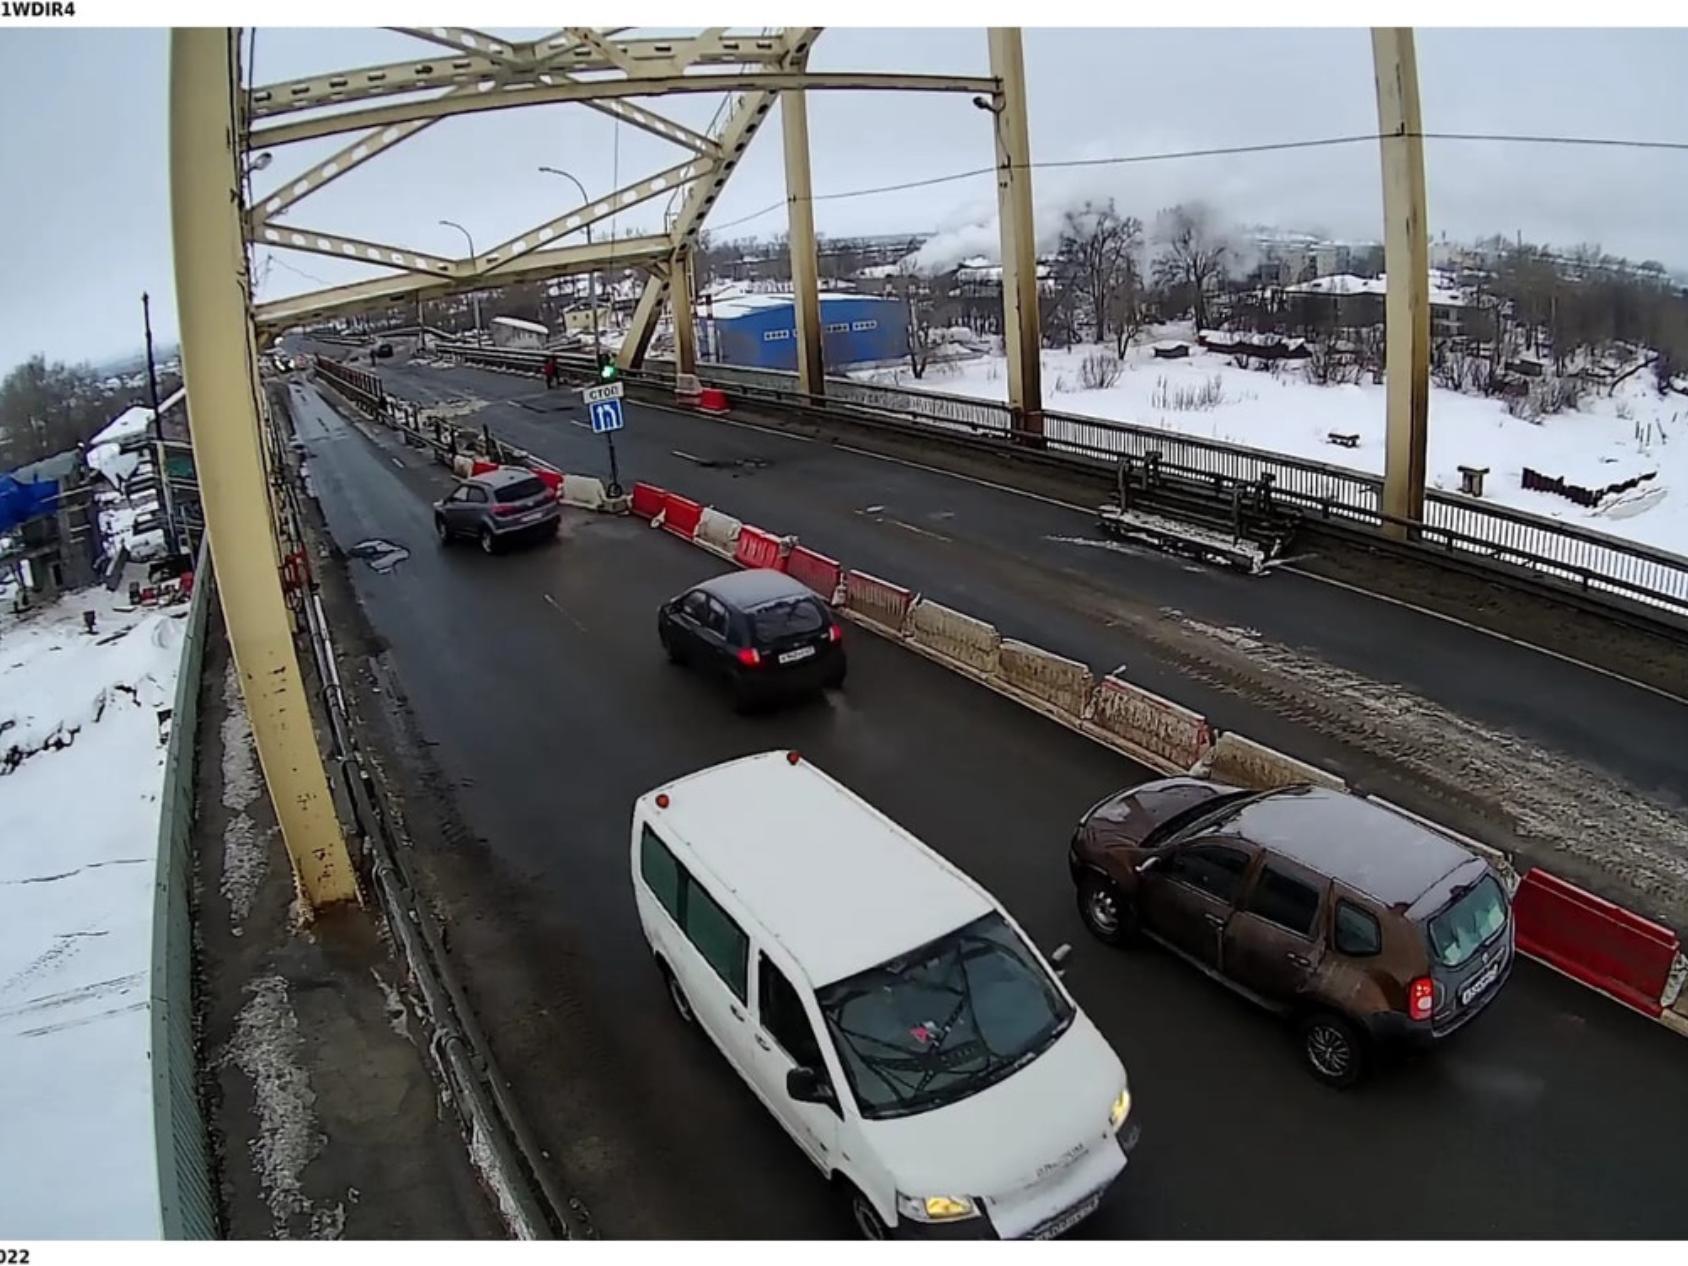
820	573
712	400
683	514
552	479
479	466
1591	940
648	500
757	548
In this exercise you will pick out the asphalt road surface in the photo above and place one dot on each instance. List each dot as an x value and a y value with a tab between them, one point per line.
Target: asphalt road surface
543	707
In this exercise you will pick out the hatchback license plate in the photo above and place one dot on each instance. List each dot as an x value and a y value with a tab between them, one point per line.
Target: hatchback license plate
1064	1222
791	657
1488	977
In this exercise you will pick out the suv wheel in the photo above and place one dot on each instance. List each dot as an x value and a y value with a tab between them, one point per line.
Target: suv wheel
441	530
489	542
1107	912
869	1225
1332	1048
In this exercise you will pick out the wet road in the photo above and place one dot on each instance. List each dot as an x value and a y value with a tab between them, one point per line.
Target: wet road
545	706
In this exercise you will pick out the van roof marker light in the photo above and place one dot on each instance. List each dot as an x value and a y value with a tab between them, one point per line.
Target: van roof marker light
662	800
793	758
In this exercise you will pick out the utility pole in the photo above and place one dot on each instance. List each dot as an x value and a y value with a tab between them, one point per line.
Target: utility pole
592	274
477	295
160	461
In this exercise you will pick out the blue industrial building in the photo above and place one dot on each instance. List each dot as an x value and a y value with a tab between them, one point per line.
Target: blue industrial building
759	330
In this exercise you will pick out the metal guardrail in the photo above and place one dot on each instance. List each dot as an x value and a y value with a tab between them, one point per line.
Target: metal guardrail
187	1199
1594	563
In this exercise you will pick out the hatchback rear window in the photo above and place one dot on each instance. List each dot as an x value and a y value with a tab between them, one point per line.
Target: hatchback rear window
1459	930
788	617
521	490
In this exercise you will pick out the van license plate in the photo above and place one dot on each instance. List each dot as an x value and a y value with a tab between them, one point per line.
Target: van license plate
1488	977
791	657
1064	1222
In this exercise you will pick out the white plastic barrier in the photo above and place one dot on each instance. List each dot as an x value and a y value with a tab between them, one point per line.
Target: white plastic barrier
717	531
1158	731
1245	763
1064	683
585	491
952	634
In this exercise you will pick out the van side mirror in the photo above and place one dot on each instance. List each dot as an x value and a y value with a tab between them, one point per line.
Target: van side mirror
1058	957
805	1085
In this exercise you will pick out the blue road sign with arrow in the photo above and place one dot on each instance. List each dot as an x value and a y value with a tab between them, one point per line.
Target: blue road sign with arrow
606	416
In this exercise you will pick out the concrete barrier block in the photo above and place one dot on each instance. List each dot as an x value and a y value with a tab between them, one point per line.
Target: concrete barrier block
461	466
717	529
1066	683
1245	763
954	635
584	491
1165	734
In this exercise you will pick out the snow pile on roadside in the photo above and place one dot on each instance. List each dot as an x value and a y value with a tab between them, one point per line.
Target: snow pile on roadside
79	812
1609	440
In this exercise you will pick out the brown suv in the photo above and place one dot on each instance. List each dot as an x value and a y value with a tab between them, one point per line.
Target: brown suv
1357	922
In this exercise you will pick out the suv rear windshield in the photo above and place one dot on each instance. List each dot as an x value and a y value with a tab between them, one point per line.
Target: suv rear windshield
1460	929
786	617
521	490
943	1021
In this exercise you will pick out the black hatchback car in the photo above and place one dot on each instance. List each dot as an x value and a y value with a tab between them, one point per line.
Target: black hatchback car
767	635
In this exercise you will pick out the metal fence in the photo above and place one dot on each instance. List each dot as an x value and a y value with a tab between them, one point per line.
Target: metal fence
187	1201
1476	531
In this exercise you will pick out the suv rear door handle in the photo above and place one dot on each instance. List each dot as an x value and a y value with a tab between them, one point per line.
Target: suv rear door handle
1300	960
763	1042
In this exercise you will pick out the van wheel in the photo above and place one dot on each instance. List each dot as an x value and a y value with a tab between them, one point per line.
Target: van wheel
1107	912
869	1225
677	996
1333	1049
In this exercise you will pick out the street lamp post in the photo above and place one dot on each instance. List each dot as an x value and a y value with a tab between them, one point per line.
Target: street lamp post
597	338
453	224
592	274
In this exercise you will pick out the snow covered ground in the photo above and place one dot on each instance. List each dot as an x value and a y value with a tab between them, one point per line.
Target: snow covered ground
81	773
1609	440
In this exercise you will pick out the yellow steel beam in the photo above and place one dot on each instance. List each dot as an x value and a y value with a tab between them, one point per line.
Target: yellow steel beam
464	39
1406	257
515	96
805	258
600	209
556	52
218	361
1020	327
680	291
348	158
360	250
382	291
658	125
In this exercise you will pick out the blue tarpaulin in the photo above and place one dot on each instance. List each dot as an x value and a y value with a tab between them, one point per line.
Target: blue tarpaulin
20	502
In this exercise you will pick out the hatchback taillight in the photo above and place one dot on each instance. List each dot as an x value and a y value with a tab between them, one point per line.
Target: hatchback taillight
1421	998
835	634
749	656
506	507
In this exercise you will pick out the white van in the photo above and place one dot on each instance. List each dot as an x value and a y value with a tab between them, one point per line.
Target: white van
879	1002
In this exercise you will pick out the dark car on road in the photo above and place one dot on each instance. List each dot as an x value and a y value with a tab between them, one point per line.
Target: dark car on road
496	507
768	636
1366	928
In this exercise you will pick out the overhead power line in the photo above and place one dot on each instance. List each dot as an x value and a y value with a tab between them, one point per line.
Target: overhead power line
1221	151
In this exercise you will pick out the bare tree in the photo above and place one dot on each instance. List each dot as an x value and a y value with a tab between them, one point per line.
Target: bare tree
1098	254
1194	253
919	334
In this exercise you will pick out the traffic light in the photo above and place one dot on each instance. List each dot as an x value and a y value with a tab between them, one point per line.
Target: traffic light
608	371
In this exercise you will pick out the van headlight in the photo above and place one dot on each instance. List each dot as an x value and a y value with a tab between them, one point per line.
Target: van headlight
1121	1108
936	1208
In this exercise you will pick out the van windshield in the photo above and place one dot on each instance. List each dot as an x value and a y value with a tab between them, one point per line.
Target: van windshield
1470	920
944	1021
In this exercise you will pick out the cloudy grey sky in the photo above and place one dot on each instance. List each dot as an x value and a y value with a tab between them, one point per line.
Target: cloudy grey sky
86	217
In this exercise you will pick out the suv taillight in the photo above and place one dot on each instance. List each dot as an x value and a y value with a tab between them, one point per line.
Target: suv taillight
1421	998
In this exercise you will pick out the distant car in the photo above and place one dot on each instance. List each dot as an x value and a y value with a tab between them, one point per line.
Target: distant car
764	633
497	506
383	350
1364	927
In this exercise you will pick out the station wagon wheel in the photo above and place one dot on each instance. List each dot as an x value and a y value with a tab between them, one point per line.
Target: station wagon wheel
868	1222
1106	911
1333	1049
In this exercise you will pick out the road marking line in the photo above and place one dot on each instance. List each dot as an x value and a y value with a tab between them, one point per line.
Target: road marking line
395	461
686	456
909	527
558	609
1504	637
